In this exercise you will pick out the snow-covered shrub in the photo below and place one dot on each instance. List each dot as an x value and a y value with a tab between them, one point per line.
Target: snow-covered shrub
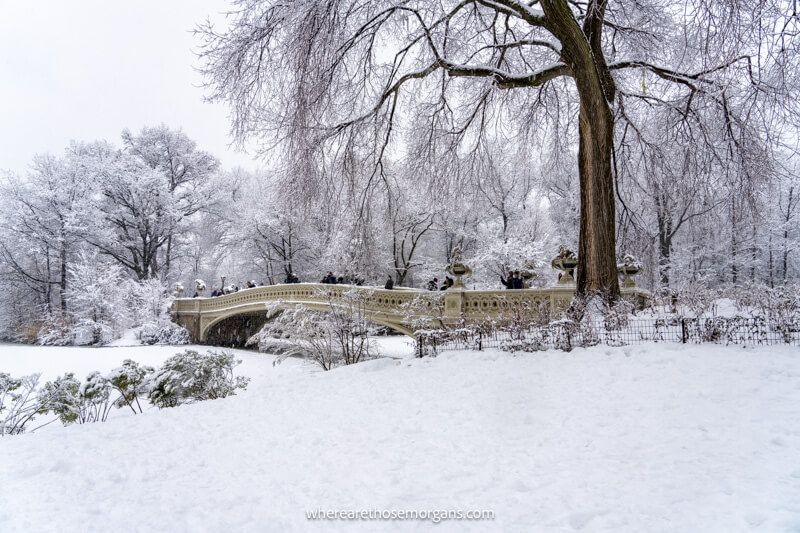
75	402
523	345
428	340
163	333
95	394
696	300
331	338
55	330
425	311
779	305
130	381
18	402
192	377
618	314
564	332
60	397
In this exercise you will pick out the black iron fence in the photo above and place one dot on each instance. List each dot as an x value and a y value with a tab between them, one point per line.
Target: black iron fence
566	334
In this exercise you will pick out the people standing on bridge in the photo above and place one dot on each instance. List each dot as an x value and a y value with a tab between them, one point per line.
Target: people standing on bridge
389	283
339	280
448	282
507	282
433	284
291	278
329	278
516	281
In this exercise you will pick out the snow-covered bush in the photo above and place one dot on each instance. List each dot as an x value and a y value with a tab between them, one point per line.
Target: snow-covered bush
54	331
61	397
95	393
18	402
313	335
191	377
163	333
130	381
75	402
522	345
331	338
618	314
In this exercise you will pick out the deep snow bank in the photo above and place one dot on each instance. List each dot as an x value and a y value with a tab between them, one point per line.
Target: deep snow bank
649	438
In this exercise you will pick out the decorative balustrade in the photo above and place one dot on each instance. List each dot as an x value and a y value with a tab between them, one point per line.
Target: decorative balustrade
404	310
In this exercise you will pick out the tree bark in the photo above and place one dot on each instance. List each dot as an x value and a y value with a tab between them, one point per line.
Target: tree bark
582	51
63	281
597	269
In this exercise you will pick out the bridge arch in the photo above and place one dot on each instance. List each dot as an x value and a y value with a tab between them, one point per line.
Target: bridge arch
235	326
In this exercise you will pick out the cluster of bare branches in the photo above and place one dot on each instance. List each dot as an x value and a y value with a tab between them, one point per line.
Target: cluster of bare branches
643	92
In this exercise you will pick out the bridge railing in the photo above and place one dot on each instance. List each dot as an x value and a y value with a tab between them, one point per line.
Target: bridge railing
375	298
413	309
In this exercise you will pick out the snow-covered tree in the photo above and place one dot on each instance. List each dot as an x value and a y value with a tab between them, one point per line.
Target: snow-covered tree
344	85
99	296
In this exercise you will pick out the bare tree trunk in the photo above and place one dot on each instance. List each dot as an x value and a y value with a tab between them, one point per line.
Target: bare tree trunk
597	270
168	257
48	284
63	281
583	52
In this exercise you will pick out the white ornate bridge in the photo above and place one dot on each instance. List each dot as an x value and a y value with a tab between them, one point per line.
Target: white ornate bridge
215	320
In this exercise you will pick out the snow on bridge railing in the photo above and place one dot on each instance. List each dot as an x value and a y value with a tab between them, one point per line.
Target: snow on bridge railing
451	305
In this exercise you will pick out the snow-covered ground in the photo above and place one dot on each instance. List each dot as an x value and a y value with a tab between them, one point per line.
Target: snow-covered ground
648	438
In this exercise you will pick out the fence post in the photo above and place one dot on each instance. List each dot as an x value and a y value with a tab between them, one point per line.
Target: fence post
683	330
480	340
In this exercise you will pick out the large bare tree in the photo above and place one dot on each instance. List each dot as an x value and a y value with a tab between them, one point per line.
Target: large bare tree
343	83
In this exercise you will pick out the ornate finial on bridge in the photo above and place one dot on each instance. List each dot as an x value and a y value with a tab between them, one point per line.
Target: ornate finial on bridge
457	268
200	287
566	261
629	267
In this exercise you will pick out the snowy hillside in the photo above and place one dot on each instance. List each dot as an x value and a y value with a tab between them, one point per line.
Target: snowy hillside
652	438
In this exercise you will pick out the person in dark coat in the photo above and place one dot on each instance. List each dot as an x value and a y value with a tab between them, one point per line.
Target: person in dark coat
329	278
507	283
433	284
448	282
389	283
516	281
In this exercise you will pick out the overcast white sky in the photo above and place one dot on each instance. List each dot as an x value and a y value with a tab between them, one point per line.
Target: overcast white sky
86	69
